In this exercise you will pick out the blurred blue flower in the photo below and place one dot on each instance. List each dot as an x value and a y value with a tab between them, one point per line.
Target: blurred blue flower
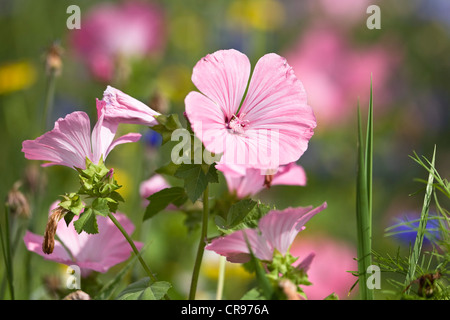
405	229
152	139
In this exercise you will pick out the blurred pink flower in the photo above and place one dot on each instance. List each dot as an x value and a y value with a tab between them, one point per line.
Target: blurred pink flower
273	124
91	252
328	271
70	142
276	231
118	107
249	181
335	74
150	186
344	11
111	32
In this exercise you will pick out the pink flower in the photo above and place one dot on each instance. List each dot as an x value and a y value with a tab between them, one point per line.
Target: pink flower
336	73
273	124
249	181
150	186
111	33
277	231
70	142
97	252
118	107
328	272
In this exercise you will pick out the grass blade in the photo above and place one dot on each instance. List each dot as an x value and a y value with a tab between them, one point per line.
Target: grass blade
363	207
415	252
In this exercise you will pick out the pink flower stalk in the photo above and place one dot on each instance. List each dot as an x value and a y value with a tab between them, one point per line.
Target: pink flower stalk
328	272
91	252
119	107
336	74
244	181
70	142
152	185
270	126
111	33
277	231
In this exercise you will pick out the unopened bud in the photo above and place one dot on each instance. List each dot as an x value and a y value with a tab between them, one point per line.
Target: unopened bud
50	230
53	61
17	202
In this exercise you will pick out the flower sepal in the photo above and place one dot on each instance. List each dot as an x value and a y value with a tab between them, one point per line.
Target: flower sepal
281	268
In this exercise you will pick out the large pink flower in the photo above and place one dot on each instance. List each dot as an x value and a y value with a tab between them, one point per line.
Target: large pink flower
269	126
277	231
246	181
97	252
119	107
70	142
111	33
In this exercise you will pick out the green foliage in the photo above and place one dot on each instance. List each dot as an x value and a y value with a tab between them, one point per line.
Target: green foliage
161	199
241	215
167	125
145	289
196	177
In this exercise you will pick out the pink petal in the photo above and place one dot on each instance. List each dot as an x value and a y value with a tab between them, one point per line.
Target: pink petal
33	243
291	174
68	144
305	264
280	227
102	137
223	77
234	246
207	120
276	100
122	108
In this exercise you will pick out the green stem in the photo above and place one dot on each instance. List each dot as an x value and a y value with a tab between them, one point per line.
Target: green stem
133	246
6	248
220	281
201	245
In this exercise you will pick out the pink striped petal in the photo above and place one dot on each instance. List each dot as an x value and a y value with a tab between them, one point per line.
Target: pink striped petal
280	227
122	108
223	77
234	246
276	100
68	144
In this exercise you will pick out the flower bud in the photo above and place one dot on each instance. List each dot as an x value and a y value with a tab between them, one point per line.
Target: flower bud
17	202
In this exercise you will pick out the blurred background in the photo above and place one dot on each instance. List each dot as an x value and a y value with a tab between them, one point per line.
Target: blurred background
148	49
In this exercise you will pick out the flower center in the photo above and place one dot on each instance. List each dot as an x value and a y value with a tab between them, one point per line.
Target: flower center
237	124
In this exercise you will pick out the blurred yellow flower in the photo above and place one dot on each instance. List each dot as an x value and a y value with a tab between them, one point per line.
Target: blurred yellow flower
174	81
123	179
258	14
210	269
16	76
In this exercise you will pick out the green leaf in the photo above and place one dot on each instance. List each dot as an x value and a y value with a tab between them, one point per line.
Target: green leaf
72	202
253	294
243	214
161	199
195	179
145	289
100	206
86	222
168	169
166	126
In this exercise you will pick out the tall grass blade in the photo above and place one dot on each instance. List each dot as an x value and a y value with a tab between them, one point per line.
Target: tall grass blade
415	252
364	204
